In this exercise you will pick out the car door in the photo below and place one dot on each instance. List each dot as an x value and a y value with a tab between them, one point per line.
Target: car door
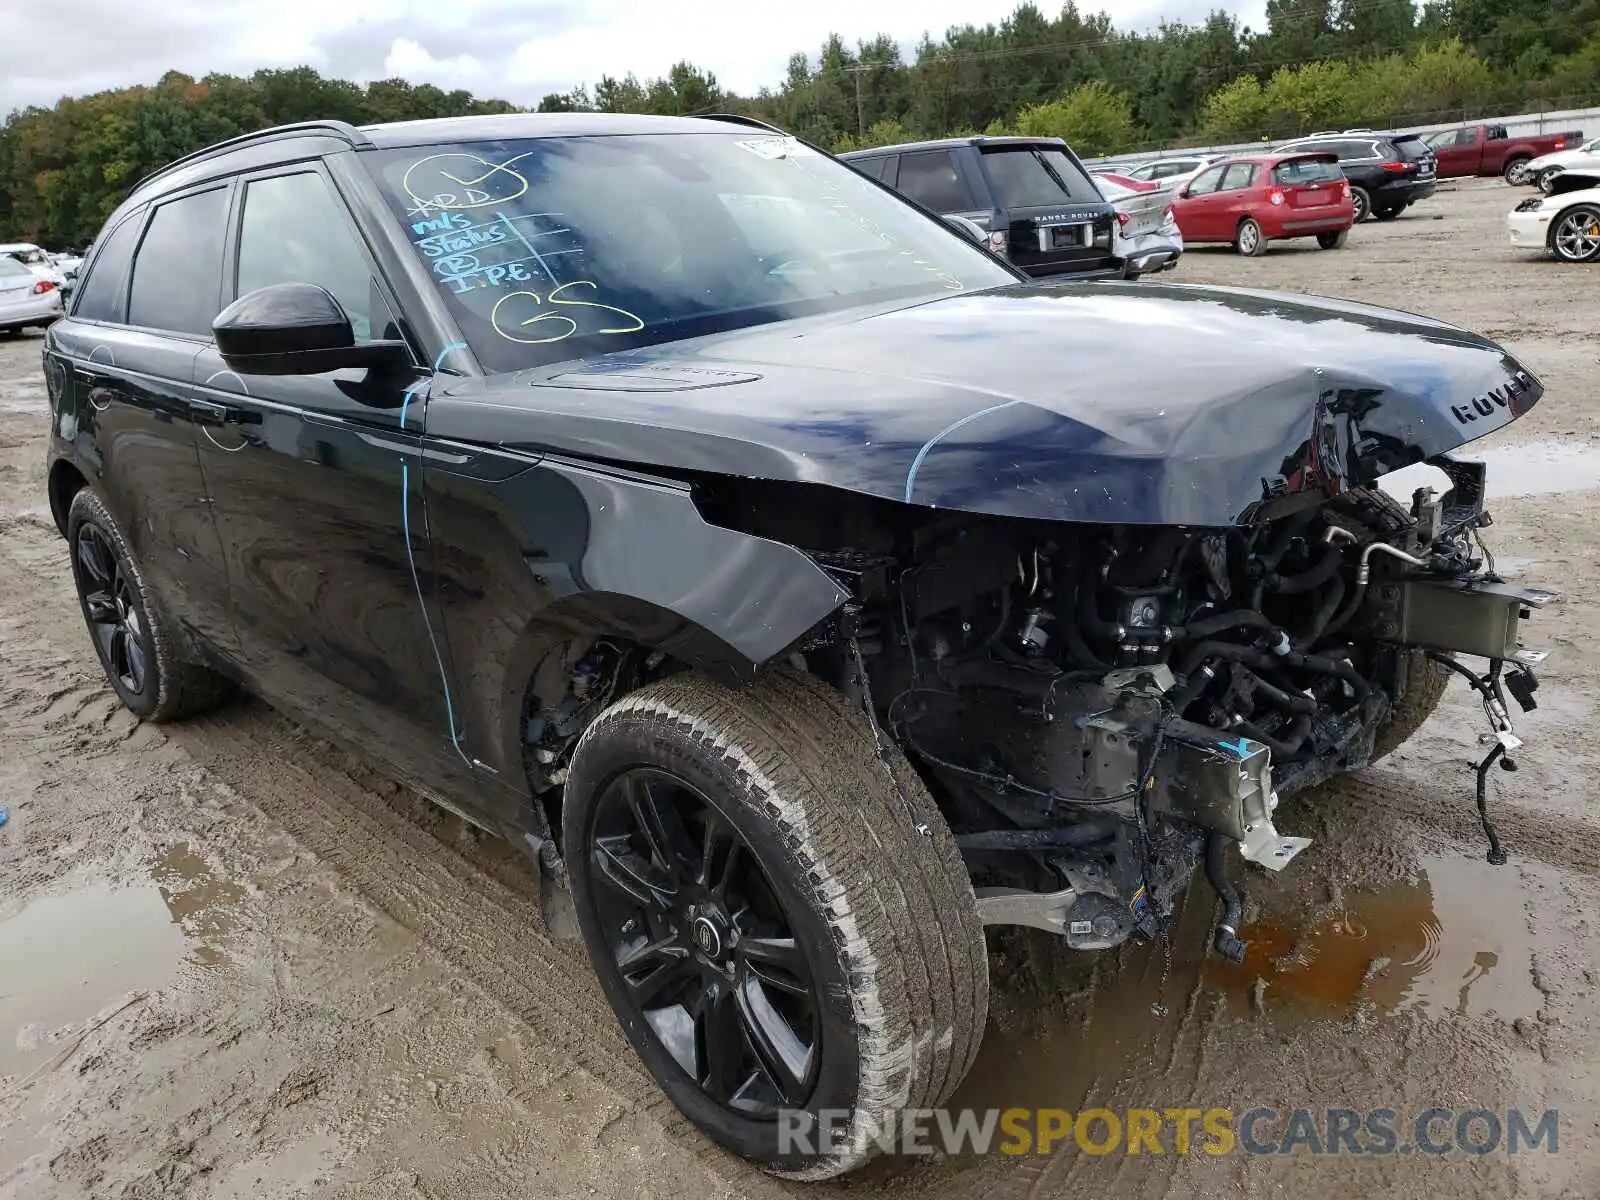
1457	152
128	352
1195	207
1231	202
317	493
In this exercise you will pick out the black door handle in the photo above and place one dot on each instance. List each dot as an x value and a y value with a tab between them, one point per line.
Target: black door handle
208	413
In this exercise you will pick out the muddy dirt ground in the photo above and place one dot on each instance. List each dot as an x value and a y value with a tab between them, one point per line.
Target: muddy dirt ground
236	963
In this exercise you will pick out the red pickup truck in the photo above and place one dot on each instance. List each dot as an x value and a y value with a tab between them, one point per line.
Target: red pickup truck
1490	150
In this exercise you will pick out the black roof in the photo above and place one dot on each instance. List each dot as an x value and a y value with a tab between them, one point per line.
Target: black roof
534	125
951	143
441	130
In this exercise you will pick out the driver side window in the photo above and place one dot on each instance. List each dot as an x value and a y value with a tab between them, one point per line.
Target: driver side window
295	231
1206	182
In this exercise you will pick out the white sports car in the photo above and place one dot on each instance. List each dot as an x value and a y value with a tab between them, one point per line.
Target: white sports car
1564	224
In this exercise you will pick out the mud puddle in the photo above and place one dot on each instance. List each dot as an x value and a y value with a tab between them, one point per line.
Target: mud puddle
1539	468
70	958
1452	940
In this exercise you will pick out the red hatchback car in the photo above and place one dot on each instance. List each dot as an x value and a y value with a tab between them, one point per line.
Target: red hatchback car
1252	200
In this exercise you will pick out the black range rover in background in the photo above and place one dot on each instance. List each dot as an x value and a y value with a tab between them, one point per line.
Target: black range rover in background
1388	172
1032	197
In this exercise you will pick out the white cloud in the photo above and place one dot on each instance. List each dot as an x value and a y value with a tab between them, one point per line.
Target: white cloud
410	60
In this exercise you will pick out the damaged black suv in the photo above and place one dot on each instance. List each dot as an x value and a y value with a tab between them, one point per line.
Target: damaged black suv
799	584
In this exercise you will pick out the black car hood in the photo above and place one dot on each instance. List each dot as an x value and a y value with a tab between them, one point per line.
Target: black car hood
1137	403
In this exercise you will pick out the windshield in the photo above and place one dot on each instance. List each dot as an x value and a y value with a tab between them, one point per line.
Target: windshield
550	249
1034	176
1412	149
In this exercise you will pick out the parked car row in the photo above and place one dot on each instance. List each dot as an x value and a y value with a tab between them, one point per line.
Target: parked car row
1031	202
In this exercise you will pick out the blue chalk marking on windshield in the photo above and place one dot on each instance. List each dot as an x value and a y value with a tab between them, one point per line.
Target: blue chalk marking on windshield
916	463
519	236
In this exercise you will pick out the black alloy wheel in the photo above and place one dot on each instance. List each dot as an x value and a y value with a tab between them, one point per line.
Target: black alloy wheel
697	933
154	671
777	913
114	612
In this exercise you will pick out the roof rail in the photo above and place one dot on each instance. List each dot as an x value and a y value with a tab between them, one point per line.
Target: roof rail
340	129
741	119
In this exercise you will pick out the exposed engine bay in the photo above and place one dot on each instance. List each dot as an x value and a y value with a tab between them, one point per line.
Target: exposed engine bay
1099	709
1102	708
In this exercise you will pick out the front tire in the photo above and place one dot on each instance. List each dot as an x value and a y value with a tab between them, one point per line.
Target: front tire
1248	240
782	926
1333	241
1575	234
137	644
1547	179
1422	684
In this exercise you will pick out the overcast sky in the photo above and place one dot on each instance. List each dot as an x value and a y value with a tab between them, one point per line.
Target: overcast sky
514	49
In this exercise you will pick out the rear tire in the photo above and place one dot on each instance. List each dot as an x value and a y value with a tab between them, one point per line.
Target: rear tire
1422	683
858	866
1248	239
1333	241
137	643
1514	168
1361	200
1388	214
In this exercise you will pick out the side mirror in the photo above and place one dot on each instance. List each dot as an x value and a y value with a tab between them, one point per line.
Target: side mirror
1183	192
295	329
966	226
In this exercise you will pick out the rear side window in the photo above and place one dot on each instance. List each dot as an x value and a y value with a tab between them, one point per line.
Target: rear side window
100	294
1035	176
1305	170
1358	151
295	231
177	275
873	168
931	179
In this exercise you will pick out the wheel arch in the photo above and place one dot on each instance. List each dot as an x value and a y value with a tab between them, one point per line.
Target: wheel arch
66	481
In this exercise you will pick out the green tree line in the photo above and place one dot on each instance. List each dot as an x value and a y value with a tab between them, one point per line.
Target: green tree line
1318	64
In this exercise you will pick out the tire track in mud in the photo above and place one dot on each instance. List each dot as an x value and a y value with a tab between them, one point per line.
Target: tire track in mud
488	933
